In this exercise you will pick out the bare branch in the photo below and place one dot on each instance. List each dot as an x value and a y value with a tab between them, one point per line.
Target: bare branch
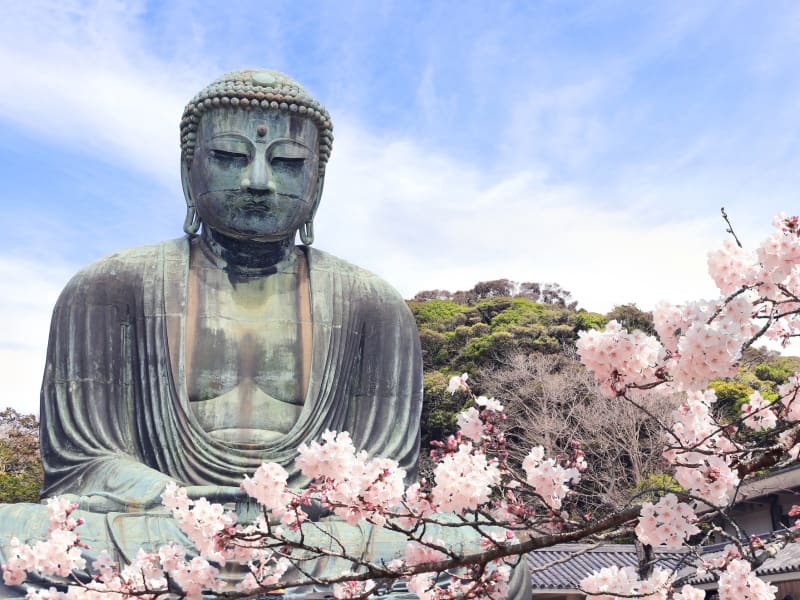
730	227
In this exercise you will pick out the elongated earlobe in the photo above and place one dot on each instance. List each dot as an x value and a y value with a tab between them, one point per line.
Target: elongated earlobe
192	222
307	232
307	228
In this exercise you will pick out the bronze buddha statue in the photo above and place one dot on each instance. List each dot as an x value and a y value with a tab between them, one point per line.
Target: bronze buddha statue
197	359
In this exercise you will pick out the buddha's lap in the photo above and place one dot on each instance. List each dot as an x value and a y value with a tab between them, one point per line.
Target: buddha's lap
123	534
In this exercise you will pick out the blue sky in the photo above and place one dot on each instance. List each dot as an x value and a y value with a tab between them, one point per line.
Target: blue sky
587	143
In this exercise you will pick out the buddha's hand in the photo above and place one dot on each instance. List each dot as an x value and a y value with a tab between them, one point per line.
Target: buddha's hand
235	498
246	508
216	493
105	503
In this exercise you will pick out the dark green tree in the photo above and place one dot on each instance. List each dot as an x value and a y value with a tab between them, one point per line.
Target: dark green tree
632	317
20	464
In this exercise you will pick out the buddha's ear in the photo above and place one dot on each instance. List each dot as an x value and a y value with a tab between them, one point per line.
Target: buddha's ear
192	222
307	229
187	192
317	196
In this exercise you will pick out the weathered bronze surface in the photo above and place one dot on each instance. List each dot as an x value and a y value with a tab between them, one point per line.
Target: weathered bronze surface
197	359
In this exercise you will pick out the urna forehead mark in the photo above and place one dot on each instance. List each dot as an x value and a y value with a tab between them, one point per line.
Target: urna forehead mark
295	127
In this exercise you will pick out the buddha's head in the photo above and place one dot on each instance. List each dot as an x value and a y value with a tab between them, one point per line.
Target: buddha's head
254	146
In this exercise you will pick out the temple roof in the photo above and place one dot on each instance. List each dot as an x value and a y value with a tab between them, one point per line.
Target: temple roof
561	567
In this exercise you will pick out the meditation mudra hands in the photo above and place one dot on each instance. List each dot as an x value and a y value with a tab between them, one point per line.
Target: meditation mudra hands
105	502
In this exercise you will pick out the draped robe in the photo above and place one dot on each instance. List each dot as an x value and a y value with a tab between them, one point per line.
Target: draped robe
116	421
115	412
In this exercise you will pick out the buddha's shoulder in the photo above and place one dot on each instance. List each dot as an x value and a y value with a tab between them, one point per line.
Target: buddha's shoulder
119	273
353	276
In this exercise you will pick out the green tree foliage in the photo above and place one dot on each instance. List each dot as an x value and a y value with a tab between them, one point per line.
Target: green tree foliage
463	331
631	318
590	320
653	485
468	330
20	464
760	370
488	327
437	313
730	397
440	408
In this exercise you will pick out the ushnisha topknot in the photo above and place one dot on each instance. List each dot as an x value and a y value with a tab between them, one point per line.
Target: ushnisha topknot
251	88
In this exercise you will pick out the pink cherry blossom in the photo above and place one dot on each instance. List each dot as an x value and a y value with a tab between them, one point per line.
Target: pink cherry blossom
688	592
618	358
353	589
732	267
489	403
739	582
547	478
470	424
758	414
788	393
464	480
615	583
668	523
268	488
458	383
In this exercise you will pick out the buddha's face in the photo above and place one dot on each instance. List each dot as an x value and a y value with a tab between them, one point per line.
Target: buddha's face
254	173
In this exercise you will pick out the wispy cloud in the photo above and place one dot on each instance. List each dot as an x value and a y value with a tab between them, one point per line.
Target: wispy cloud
91	84
427	221
30	290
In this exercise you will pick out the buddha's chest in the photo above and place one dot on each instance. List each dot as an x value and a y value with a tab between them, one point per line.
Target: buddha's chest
260	353
248	347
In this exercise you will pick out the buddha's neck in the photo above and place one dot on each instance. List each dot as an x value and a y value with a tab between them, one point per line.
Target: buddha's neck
246	257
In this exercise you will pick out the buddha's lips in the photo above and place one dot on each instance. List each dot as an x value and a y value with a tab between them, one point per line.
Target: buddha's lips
255	206
262	202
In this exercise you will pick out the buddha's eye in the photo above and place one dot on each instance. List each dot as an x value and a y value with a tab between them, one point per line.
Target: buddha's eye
227	157
287	164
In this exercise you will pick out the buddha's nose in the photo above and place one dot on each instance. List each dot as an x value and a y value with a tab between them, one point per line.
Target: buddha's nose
259	177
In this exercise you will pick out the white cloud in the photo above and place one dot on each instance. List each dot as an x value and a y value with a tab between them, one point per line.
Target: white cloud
82	77
561	122
425	221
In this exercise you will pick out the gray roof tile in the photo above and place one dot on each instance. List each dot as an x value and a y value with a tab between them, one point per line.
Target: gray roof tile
786	561
564	565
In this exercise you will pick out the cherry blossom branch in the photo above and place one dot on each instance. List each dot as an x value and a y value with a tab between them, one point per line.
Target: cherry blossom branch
730	227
